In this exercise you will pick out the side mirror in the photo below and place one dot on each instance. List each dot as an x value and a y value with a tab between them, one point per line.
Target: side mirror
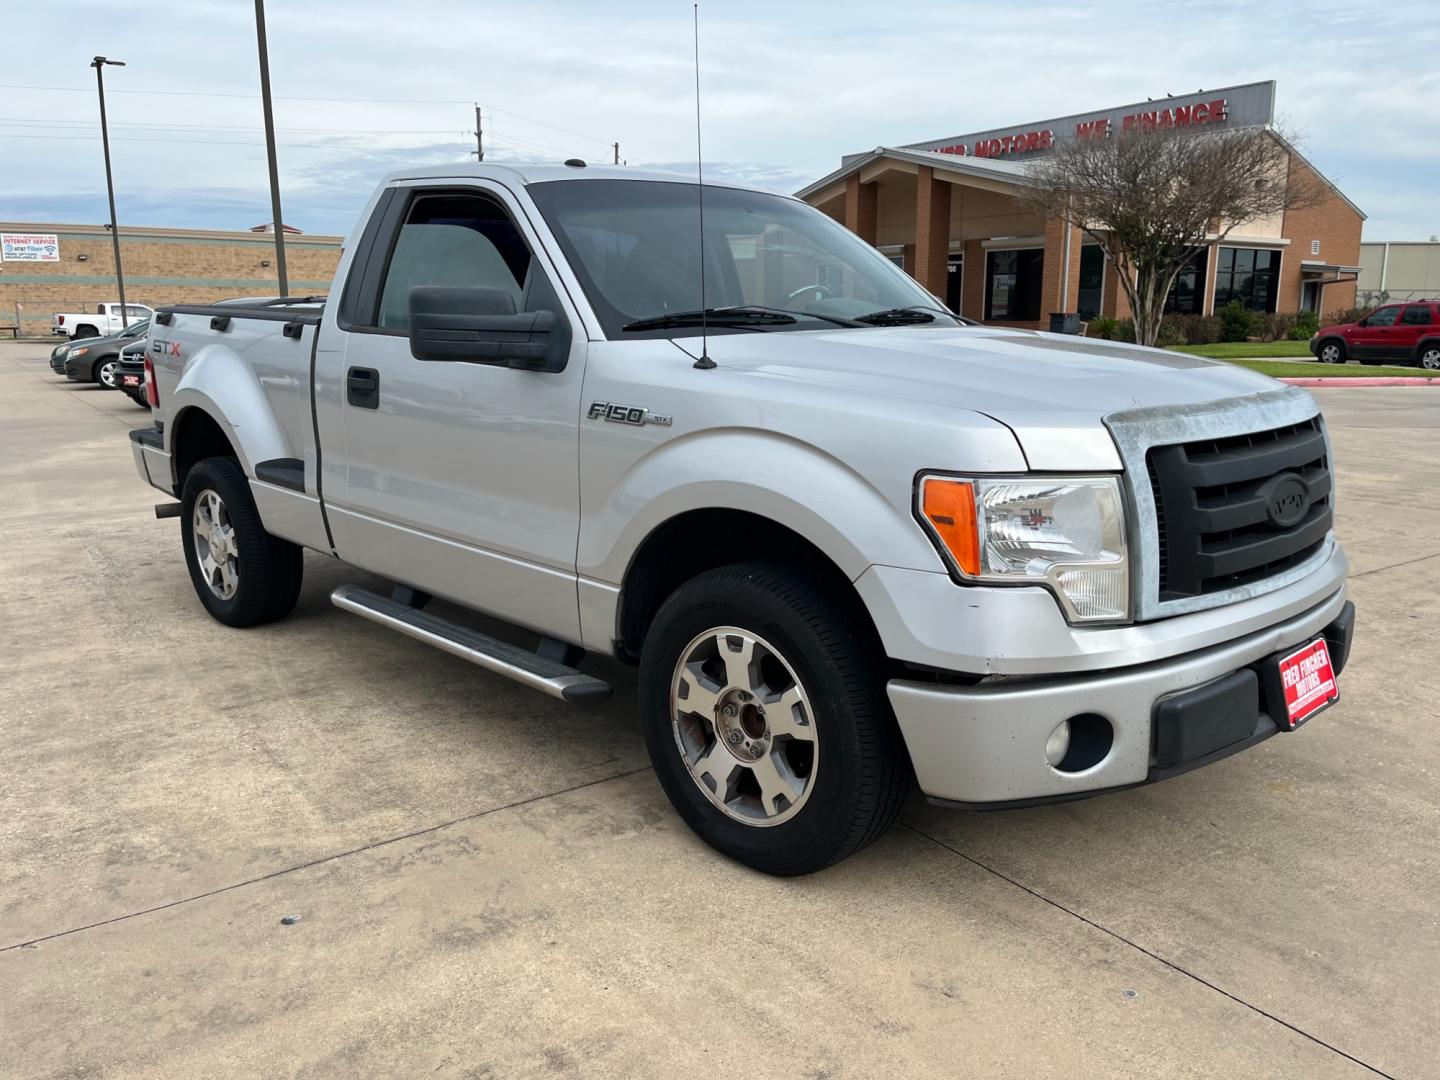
481	326
1364	322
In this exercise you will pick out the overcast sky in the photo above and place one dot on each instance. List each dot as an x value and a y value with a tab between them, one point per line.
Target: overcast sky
788	87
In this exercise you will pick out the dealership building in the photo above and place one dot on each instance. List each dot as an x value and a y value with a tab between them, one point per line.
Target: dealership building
949	212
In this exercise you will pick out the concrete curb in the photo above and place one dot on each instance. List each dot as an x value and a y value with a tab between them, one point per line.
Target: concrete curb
1371	380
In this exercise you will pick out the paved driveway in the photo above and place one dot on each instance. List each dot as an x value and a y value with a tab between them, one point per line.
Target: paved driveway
491	884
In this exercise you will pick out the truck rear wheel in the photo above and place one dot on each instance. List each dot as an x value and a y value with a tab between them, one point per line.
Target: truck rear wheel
85	330
767	721
241	573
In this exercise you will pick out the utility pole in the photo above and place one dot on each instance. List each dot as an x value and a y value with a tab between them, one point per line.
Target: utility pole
479	135
279	224
98	64
617	153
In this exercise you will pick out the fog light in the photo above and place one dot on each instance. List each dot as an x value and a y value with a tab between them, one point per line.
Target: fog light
1058	745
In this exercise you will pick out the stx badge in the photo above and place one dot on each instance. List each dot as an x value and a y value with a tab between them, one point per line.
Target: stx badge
627	414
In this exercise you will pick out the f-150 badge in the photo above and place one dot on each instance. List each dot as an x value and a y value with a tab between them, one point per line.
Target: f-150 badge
627	414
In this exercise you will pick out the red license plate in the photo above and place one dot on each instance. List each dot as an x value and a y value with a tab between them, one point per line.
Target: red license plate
1307	681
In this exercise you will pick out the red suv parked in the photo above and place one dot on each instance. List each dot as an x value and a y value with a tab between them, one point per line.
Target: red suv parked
1396	334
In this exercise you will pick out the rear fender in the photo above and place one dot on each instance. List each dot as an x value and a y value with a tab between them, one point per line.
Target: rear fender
216	374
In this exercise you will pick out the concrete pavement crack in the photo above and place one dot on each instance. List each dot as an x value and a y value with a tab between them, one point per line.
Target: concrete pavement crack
321	860
1147	952
1396	566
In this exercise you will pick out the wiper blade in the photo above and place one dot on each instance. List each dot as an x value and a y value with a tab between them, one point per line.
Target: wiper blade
719	316
900	315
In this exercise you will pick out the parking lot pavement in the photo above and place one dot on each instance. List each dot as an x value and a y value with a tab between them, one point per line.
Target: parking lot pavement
490	883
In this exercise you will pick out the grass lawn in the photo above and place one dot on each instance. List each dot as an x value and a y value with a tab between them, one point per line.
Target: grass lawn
1244	350
1328	371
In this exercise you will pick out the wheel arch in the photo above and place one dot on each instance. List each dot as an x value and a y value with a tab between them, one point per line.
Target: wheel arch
1431	342
195	435
690	543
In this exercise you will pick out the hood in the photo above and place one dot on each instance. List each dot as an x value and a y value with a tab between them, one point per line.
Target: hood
1052	390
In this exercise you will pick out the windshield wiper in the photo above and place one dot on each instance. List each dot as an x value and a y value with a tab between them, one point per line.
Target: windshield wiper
717	316
899	316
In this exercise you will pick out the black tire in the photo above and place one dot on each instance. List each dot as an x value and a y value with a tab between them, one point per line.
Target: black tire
85	330
1428	355
268	569
861	772
1332	347
97	372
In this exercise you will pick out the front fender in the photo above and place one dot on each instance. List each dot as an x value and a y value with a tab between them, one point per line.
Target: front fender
216	374
765	473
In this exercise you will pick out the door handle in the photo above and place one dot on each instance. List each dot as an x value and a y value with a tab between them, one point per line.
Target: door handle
362	387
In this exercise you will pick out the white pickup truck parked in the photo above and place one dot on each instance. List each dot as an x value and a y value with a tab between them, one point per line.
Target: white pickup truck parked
105	320
849	541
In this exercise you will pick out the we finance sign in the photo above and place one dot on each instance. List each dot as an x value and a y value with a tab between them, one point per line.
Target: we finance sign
29	247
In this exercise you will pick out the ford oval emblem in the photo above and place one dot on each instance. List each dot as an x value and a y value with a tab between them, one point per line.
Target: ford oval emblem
1287	499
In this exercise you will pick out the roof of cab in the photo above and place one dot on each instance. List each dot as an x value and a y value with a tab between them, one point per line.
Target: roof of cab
535	173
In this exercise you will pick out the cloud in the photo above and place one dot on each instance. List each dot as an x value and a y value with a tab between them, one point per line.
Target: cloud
787	89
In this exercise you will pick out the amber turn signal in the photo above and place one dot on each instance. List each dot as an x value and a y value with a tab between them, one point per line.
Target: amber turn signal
949	506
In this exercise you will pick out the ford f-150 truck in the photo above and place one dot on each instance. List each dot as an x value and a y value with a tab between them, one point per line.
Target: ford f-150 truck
849	541
105	320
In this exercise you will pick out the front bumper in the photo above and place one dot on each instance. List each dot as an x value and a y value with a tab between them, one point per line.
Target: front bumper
984	745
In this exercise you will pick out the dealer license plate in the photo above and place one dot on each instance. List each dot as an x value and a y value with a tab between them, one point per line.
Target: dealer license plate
129	380
1307	683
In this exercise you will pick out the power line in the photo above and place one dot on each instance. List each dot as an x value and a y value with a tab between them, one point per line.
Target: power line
292	97
191	142
35	122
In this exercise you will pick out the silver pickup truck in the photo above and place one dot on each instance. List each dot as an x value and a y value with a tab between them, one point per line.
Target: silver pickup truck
847	539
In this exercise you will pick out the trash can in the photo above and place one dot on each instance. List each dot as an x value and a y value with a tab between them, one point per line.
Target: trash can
1064	322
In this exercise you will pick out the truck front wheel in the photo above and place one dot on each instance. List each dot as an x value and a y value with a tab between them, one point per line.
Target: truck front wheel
767	720
241	573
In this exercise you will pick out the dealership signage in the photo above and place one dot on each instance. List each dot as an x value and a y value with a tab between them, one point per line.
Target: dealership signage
29	247
1233	106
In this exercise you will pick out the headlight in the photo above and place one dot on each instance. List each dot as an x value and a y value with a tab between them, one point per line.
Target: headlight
77	352
1064	532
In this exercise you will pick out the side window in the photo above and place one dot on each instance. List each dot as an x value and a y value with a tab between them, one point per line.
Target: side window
1384	317
1416	315
454	239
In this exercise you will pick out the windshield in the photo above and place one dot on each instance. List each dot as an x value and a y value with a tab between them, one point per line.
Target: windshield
634	245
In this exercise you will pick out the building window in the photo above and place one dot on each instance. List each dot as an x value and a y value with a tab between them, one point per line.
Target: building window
1012	284
1187	295
1092	275
1249	276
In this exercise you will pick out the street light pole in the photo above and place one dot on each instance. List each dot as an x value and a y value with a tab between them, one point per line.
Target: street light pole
279	225
99	64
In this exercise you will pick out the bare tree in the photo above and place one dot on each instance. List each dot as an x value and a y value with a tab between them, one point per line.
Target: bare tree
1153	199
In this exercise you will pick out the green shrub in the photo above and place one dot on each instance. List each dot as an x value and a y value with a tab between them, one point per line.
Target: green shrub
1348	315
1237	322
1193	329
1125	330
1102	326
1306	324
1171	333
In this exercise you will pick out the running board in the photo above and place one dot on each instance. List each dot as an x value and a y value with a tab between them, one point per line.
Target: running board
490	653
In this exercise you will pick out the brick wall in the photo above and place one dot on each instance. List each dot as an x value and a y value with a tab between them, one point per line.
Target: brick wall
161	267
932	230
1332	221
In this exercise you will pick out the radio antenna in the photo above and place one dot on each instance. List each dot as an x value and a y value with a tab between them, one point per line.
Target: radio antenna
704	363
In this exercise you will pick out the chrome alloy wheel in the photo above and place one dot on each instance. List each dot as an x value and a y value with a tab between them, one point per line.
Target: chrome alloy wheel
744	726
1430	358
1330	353
106	375
216	551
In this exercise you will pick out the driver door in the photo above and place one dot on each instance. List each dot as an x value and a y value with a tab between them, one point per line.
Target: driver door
1372	339
460	478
